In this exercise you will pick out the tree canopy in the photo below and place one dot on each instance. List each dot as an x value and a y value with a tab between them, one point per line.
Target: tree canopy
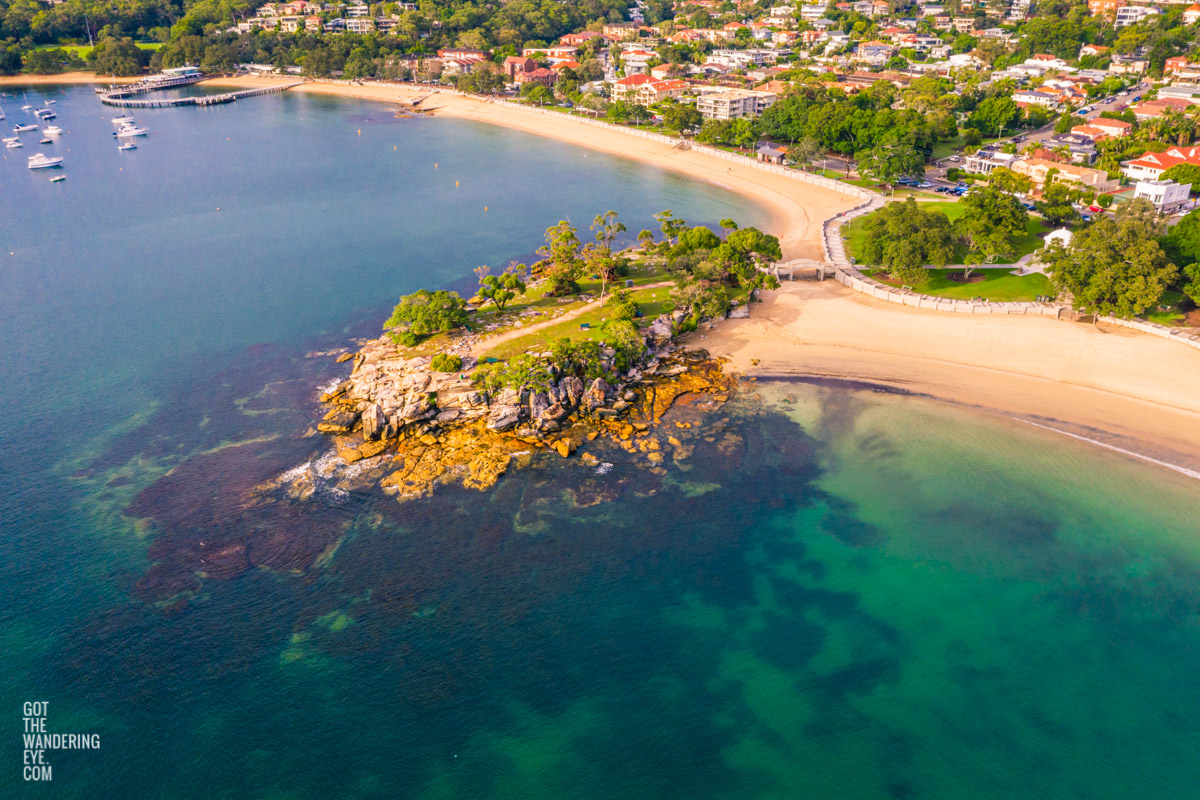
903	237
1114	266
424	313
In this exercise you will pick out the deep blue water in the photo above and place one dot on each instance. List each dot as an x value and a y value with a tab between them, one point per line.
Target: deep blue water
836	594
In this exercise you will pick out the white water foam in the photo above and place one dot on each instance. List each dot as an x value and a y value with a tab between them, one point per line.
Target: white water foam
1191	473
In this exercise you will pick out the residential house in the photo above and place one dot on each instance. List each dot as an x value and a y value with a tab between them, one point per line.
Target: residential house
874	52
514	65
1035	97
983	162
1099	8
1036	169
1128	65
1175	64
466	53
730	103
557	52
541	75
1131	15
620	31
580	39
1092	50
1101	128
1151	166
646	90
1191	14
1046	62
1167	196
1153	109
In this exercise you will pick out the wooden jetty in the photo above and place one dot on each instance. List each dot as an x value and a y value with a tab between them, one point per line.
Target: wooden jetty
121	98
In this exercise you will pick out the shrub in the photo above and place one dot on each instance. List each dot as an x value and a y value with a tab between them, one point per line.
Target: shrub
622	306
446	362
405	338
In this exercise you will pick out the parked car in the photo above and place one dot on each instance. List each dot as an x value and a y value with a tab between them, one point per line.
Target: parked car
1122	94
955	159
1029	206
924	185
1135	99
1096	209
1085	110
1016	139
1085	218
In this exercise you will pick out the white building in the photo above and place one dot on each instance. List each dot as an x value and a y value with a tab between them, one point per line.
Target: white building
1167	196
725	103
1130	15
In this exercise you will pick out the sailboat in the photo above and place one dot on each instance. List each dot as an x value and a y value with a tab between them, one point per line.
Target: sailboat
2	117
25	97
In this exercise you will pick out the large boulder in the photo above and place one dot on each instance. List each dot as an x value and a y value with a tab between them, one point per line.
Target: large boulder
659	331
338	422
555	412
373	422
538	403
570	391
503	417
597	394
418	407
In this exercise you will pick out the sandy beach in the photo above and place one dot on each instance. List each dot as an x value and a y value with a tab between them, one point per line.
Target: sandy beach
1105	382
797	210
61	78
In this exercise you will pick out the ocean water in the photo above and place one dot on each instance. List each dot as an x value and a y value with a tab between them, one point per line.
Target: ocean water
836	593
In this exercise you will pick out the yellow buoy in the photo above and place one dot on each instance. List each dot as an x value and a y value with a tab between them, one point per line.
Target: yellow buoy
360	131
435	165
485	208
393	147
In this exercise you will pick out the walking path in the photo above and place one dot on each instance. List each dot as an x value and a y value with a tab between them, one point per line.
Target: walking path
484	345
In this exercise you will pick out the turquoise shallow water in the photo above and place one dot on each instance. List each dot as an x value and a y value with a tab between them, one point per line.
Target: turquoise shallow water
838	594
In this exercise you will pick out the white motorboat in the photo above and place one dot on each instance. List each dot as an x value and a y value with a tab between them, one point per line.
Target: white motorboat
53	130
41	161
124	119
128	131
51	102
58	178
45	113
11	145
22	128
47	140
128	146
8	139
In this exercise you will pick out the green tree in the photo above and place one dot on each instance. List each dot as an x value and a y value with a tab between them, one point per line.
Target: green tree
1056	204
888	161
424	312
902	237
682	117
990	225
607	228
995	115
562	252
118	57
1112	267
1067	121
670	225
1011	182
1183	173
503	287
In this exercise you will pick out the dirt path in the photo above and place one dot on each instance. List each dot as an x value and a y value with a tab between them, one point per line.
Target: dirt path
484	345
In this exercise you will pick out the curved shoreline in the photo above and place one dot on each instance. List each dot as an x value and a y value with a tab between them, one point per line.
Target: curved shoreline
1131	385
797	210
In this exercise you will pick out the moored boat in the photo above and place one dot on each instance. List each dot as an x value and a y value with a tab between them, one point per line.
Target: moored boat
58	178
53	130
13	144
128	146
19	128
42	161
128	131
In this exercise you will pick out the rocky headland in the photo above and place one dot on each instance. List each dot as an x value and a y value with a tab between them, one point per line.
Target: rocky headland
398	422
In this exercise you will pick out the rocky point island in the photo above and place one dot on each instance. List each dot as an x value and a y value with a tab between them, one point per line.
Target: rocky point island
548	358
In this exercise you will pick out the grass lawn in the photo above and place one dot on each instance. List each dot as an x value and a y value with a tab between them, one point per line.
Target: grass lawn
84	50
1169	311
651	302
1025	244
997	284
